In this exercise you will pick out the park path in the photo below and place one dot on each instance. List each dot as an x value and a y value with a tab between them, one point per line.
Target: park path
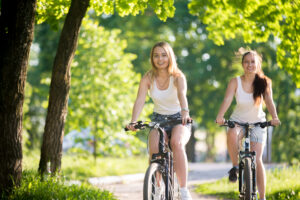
130	187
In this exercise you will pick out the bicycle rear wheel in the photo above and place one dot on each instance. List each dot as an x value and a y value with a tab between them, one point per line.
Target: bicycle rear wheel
154	183
247	180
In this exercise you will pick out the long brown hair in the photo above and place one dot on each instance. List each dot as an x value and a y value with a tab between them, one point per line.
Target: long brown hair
172	68
261	81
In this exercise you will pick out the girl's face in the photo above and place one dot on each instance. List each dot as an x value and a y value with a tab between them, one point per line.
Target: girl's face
160	58
250	64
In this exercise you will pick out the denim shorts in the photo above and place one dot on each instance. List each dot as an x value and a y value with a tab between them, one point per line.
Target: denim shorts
257	134
156	117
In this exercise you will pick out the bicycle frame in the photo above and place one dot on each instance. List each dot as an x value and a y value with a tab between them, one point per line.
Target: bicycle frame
247	154
244	157
164	158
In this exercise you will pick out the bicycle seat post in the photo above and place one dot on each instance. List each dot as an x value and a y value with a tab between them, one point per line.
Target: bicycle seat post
161	145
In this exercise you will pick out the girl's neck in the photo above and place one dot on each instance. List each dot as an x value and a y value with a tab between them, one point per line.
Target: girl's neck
249	77
162	74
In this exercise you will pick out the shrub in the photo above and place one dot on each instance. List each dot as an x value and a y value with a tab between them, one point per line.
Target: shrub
54	188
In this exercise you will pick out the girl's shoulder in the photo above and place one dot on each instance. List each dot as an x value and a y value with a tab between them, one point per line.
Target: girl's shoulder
179	75
234	80
147	78
178	78
268	80
233	83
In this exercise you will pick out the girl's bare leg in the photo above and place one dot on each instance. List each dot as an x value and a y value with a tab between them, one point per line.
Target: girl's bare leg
232	145
180	137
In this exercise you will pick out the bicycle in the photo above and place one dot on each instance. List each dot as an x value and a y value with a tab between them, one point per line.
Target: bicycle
159	180
247	160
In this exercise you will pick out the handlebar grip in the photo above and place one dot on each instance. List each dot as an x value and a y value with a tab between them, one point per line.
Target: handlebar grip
269	123
230	123
263	125
137	125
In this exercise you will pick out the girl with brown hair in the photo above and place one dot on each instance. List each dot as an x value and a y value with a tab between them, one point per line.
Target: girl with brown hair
250	90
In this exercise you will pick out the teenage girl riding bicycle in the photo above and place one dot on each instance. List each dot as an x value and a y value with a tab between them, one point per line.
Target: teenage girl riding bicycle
250	90
167	87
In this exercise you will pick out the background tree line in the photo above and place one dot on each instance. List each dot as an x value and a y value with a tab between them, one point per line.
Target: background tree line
112	54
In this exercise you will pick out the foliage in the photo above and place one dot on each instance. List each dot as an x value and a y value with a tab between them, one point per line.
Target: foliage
33	188
255	21
26	121
281	184
52	11
286	145
103	90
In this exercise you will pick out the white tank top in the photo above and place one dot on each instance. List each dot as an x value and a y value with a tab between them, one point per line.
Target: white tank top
166	102
245	110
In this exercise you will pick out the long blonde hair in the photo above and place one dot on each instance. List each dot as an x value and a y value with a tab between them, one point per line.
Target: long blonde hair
172	68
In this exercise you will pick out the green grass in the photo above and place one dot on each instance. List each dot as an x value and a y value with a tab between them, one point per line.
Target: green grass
52	188
281	184
83	167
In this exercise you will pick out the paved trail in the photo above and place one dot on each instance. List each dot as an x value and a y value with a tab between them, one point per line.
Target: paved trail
131	187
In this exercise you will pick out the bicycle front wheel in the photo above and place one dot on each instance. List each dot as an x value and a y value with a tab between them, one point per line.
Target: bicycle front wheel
154	183
247	180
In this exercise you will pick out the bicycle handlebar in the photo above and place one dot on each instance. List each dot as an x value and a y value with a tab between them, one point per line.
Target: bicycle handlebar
231	124
143	124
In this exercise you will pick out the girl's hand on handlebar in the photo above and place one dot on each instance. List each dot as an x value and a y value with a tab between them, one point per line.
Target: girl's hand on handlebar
275	122
220	120
130	126
185	117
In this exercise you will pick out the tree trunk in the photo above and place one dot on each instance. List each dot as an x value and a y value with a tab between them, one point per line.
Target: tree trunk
16	35
59	88
210	142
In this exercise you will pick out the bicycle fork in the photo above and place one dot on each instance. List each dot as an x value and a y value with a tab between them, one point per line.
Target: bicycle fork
253	169
242	156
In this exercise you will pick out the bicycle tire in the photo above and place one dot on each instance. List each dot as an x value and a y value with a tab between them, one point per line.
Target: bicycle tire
173	186
154	183
247	180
